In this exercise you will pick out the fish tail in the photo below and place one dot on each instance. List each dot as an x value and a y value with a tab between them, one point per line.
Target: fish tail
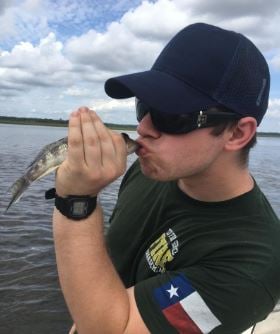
17	190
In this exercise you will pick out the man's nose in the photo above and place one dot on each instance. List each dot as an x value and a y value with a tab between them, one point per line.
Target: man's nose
146	127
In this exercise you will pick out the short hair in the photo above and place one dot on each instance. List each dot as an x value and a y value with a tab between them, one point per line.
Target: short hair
227	124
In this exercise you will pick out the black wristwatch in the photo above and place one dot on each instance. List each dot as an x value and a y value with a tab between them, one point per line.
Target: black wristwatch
75	207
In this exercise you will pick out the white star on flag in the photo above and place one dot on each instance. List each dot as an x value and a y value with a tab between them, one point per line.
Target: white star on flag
172	291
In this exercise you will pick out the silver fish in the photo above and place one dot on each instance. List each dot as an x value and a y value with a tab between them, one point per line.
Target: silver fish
48	160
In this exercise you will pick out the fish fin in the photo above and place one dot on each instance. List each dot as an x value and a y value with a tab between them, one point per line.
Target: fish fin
17	190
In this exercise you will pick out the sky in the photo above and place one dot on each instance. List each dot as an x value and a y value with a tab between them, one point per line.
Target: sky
55	55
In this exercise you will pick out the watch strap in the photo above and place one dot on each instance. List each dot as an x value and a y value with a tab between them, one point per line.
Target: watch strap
75	207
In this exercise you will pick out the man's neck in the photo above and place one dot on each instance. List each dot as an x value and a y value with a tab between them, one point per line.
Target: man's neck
219	186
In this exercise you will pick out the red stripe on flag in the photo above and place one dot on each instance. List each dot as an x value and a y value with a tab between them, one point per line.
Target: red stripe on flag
179	319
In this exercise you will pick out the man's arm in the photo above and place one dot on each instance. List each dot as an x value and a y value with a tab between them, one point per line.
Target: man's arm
95	295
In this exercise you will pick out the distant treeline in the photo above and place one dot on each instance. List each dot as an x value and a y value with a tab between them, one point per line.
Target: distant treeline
61	122
268	134
56	122
33	121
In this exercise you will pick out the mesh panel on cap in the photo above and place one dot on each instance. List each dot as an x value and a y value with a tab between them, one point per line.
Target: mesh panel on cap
245	85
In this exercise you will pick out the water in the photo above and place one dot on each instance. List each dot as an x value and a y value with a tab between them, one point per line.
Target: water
30	297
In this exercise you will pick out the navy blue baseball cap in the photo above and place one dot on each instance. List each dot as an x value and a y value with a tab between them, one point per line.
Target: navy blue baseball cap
202	66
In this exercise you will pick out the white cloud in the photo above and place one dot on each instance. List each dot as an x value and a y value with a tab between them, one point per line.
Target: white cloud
108	105
275	61
52	68
121	111
77	91
115	50
34	19
274	108
156	21
46	57
23	22
134	42
4	4
231	8
28	65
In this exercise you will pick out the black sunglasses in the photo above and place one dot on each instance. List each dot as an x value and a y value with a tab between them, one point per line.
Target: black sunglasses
183	123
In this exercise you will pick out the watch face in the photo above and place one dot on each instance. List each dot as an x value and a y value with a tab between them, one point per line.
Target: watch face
79	208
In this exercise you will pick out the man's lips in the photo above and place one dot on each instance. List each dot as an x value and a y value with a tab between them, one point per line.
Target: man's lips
141	151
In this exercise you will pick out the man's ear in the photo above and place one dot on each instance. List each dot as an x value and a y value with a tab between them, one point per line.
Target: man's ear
241	134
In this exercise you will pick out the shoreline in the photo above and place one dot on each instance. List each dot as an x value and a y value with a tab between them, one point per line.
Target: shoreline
64	123
56	123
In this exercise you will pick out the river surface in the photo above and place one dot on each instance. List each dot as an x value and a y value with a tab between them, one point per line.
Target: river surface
30	297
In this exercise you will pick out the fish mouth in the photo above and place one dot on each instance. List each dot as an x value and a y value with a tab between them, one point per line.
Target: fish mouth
131	144
132	148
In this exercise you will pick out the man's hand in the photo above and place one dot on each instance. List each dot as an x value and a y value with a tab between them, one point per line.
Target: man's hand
96	156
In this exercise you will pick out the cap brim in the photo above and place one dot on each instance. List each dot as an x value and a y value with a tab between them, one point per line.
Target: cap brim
159	90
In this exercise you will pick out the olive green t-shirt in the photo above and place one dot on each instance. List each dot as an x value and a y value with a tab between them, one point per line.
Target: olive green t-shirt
197	267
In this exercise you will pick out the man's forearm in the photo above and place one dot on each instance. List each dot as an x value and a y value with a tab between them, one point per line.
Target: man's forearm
94	293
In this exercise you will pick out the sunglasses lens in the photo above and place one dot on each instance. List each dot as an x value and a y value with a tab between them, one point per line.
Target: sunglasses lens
141	110
172	124
182	123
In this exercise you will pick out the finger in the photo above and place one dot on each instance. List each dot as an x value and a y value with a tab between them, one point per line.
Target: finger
75	140
92	145
106	142
116	145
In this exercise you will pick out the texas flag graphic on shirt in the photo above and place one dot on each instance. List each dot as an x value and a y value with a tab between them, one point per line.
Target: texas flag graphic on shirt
184	308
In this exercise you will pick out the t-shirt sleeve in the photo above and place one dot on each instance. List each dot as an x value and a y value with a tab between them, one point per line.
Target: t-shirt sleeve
195	301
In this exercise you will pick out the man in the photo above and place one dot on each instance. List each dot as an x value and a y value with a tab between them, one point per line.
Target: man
193	242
